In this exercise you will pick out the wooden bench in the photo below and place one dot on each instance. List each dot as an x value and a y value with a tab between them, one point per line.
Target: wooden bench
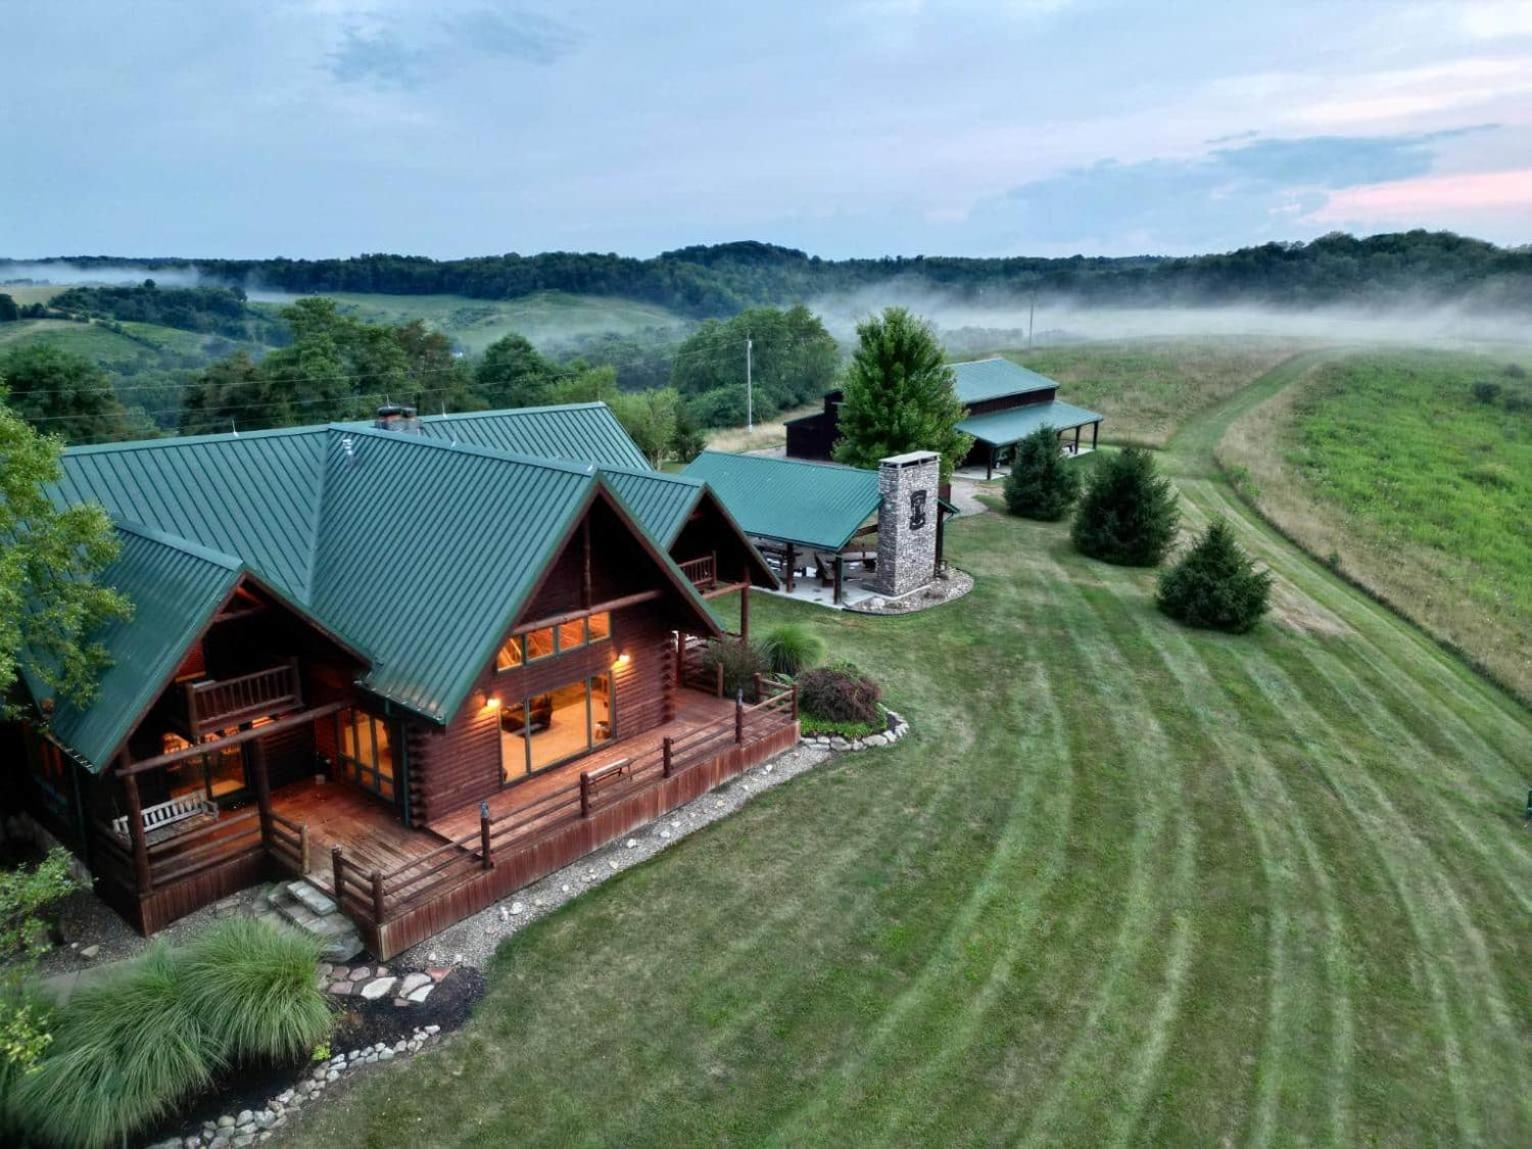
592	782
166	814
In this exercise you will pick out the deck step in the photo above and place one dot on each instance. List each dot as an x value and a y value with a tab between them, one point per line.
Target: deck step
310	909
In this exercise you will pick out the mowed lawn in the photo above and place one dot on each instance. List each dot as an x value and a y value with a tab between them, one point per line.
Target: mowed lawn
1126	883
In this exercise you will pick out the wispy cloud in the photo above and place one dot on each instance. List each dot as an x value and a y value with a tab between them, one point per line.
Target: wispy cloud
402	50
380	58
517	34
1404	200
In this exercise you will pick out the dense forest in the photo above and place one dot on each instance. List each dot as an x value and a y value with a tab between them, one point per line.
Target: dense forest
723	279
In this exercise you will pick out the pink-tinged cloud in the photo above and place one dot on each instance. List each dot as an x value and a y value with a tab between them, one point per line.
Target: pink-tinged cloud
1417	200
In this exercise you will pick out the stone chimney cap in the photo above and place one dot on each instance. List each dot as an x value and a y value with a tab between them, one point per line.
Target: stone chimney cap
908	459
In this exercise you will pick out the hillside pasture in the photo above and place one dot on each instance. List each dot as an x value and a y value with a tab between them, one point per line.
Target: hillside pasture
546	319
1387	464
25	293
1146	388
1126	883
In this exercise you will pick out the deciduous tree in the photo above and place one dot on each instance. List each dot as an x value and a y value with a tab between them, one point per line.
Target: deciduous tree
900	395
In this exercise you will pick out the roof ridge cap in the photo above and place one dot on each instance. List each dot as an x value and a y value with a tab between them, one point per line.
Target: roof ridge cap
430	441
177	542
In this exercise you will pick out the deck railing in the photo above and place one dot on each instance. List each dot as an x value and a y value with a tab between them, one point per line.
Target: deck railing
379	896
703	572
218	703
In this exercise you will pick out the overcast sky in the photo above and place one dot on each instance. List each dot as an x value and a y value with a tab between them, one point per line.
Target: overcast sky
469	127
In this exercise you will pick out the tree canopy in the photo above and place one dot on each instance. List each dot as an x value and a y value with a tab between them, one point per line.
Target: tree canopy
336	367
793	362
513	374
67	395
900	395
51	604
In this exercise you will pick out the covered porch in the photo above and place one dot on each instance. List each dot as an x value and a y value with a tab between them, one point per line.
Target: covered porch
996	434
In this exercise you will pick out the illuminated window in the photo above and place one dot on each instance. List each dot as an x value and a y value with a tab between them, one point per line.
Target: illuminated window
540	644
572	634
510	656
600	626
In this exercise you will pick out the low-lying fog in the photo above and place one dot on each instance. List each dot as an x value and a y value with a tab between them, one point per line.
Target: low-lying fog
965	324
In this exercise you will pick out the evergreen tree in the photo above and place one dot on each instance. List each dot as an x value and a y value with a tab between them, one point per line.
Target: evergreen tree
1128	515
900	395
1215	585
1043	484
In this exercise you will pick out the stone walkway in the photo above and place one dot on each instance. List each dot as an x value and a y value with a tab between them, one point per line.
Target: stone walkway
371	982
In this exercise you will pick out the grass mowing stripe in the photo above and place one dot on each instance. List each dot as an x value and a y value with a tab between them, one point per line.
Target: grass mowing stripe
1290	860
1413	873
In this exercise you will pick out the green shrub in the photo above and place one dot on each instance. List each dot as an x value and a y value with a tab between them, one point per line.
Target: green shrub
1128	515
1042	484
25	895
811	725
1215	585
741	662
124	1051
792	648
252	985
1486	391
1515	371
839	693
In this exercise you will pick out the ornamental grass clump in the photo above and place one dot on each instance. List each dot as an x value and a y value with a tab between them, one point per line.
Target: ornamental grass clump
1128	515
792	648
1215	585
839	693
741	662
1043	484
124	1051
253	987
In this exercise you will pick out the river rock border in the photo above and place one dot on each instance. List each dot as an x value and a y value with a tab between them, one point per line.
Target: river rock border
248	1127
897	729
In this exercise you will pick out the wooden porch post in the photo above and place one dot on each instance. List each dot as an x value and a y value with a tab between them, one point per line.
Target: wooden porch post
744	612
262	787
1077	440
136	831
680	661
739	716
791	563
489	863
840	566
338	872
989	466
1095	431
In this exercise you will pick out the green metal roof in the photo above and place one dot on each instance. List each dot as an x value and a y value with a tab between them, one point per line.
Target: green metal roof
1001	428
175	587
995	378
576	432
408	529
249	495
817	505
659	501
381	538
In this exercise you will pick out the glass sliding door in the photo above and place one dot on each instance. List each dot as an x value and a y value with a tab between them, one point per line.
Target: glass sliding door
555	726
366	753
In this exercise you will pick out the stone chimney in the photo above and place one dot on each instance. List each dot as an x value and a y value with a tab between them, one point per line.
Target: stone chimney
907	522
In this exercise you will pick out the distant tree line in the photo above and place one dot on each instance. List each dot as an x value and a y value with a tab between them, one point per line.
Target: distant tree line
209	310
723	279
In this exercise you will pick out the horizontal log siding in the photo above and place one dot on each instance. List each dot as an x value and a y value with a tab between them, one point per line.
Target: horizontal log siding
1011	402
515	868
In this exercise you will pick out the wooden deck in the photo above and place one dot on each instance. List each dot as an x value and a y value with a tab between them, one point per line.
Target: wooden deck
694	709
365	827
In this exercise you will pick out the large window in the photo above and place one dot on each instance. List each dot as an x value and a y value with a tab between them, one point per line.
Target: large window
218	775
366	752
554	726
549	641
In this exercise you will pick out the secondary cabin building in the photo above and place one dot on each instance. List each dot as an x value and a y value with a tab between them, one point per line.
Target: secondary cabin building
422	662
1003	403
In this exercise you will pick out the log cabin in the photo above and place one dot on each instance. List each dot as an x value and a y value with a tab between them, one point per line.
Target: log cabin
417	662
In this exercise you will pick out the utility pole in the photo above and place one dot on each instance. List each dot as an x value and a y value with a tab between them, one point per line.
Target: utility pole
749	393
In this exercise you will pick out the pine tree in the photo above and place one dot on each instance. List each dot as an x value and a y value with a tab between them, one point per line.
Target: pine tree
1043	484
900	396
1128	515
1215	585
